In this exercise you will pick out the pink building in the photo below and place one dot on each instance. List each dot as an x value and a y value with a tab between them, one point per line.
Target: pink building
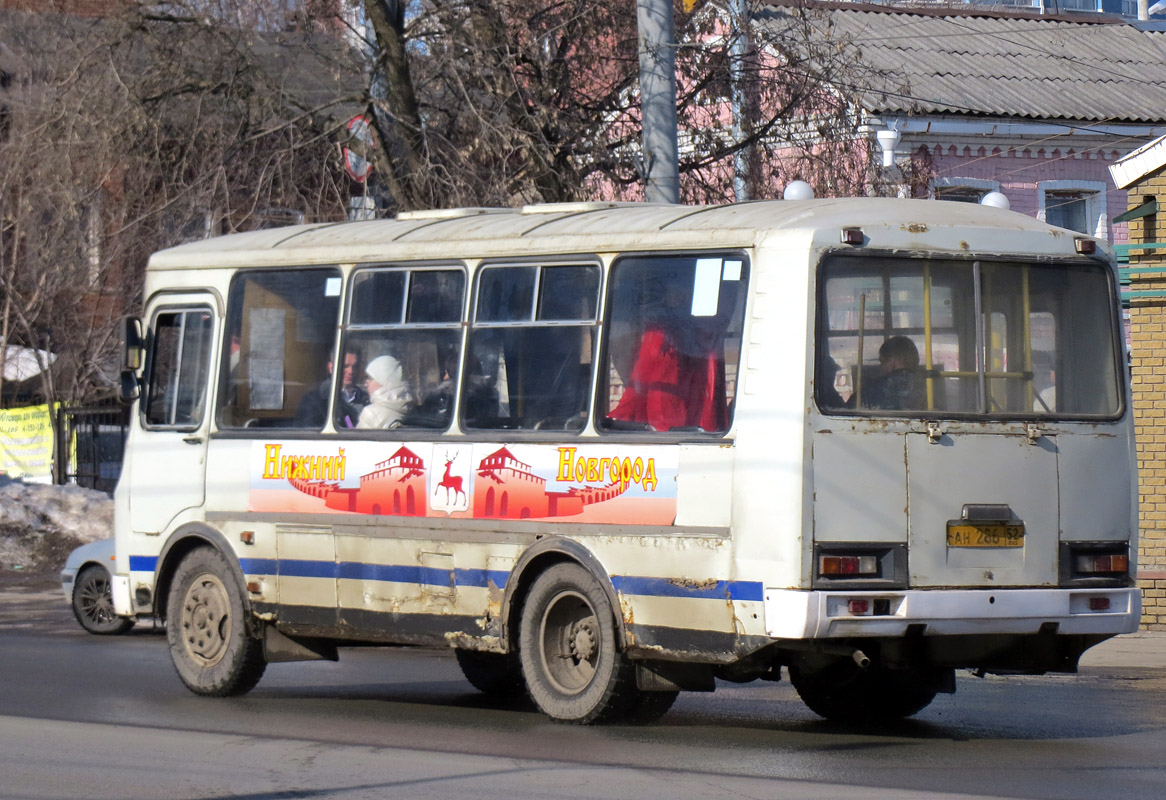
955	103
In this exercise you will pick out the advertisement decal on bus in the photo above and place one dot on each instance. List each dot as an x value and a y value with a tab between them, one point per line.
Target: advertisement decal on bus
589	483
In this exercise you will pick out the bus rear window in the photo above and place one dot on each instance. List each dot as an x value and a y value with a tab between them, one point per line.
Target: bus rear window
950	338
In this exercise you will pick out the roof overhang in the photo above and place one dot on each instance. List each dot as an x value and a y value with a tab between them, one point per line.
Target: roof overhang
948	126
1140	163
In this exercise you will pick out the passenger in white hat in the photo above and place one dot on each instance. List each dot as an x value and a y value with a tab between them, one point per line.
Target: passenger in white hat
389	394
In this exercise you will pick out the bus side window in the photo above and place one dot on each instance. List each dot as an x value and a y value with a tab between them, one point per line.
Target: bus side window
528	363
413	316
282	332
674	337
176	391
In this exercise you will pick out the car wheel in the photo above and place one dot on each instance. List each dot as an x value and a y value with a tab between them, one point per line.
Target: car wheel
205	625
93	603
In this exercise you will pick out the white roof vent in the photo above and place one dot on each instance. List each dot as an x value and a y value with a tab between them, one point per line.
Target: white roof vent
577	208
450	213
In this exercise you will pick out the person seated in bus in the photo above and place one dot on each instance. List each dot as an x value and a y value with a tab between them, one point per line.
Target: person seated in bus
434	396
390	396
899	387
352	398
1046	399
677	380
827	372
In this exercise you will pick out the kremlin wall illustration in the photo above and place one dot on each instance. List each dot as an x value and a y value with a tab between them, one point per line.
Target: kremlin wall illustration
504	488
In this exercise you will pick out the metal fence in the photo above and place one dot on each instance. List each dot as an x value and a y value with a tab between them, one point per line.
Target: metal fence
90	444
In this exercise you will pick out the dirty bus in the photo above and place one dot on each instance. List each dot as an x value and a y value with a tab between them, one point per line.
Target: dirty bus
610	453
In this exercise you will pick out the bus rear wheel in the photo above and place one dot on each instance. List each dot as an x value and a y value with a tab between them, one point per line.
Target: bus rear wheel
496	674
845	693
572	665
209	644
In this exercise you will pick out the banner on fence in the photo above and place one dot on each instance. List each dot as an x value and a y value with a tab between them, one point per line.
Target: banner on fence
26	444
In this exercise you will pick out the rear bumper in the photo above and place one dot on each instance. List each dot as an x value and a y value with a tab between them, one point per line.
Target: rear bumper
793	614
68	575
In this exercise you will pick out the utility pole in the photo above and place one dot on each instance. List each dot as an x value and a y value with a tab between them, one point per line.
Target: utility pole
737	28
657	48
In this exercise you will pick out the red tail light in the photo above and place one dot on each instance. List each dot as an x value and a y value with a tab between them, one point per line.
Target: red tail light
848	565
858	607
1098	564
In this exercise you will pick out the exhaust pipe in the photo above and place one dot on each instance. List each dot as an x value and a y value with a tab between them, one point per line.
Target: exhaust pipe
861	659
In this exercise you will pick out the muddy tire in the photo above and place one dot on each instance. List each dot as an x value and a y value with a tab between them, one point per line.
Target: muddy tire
845	693
573	667
496	674
93	603
650	706
205	624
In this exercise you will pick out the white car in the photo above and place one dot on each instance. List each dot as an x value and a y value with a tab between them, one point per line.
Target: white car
85	581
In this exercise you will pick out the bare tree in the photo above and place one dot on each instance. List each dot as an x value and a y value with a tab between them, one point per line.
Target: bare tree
505	101
126	134
175	120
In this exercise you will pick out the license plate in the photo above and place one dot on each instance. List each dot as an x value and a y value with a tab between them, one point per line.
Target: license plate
985	534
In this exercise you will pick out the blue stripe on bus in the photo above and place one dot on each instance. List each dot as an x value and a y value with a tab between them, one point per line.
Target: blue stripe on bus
355	570
143	563
259	566
479	578
671	587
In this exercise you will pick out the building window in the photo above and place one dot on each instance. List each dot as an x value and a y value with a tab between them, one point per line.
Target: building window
962	190
1076	205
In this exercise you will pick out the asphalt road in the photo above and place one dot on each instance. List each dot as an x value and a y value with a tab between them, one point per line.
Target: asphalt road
93	717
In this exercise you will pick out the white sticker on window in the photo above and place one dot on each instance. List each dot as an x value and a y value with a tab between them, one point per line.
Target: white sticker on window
732	271
706	287
332	287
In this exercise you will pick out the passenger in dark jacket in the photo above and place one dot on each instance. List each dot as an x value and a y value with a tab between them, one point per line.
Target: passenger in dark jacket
313	408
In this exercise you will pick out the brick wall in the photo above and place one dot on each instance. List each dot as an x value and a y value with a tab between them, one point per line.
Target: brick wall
1148	349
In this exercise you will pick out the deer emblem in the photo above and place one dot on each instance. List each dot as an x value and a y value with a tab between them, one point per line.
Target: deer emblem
450	482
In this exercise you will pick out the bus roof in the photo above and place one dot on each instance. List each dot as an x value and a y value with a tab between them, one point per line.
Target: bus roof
598	227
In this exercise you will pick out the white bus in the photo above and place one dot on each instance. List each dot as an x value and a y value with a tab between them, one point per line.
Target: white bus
608	452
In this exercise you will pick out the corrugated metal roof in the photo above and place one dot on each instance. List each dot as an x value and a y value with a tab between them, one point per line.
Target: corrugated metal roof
953	61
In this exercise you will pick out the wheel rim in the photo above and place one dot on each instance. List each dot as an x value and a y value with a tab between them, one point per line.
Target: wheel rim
95	600
206	620
569	639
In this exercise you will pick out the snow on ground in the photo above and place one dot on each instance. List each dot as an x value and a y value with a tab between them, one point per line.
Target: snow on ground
41	524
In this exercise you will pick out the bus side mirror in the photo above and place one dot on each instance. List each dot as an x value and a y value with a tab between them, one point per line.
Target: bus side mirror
133	344
130	387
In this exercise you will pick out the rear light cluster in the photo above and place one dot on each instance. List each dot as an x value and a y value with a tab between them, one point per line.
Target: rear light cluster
1101	564
1095	564
860	565
837	566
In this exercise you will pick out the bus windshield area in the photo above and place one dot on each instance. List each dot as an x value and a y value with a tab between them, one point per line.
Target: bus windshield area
918	336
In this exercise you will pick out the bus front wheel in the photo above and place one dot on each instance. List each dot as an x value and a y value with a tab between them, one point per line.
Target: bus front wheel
573	668
845	693
212	651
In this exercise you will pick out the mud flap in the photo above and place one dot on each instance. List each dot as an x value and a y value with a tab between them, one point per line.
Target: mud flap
278	647
670	676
